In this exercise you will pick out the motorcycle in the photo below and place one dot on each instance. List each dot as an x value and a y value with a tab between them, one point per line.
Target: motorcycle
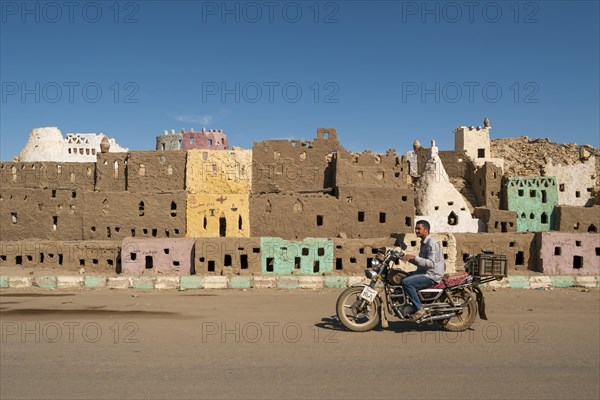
453	303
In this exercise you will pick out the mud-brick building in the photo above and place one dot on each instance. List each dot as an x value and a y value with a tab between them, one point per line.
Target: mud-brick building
319	189
218	193
305	207
211	139
568	253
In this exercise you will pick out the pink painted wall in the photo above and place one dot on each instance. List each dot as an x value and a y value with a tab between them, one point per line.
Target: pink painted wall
212	139
157	256
570	253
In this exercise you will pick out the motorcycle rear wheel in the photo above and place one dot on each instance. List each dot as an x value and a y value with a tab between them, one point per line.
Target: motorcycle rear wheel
466	318
352	316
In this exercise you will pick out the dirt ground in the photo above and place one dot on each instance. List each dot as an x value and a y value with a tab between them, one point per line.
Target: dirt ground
280	344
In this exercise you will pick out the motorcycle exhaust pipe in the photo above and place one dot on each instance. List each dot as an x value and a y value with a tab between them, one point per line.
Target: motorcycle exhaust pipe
438	317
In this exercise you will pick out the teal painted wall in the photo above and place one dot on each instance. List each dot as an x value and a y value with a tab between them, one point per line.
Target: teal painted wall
534	200
311	256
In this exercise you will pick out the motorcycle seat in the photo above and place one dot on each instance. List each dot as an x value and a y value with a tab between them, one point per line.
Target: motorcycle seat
449	282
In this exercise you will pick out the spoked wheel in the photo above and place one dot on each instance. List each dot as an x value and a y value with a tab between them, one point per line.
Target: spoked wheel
356	314
466	318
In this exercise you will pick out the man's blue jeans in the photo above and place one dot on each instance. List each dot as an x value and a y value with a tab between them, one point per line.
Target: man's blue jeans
413	283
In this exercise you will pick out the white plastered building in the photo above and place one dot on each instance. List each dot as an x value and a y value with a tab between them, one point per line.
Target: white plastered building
439	202
575	182
48	144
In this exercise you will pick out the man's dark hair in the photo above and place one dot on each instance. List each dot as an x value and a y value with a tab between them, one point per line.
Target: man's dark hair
425	224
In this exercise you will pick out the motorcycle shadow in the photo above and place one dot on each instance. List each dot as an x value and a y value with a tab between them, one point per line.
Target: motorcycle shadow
332	323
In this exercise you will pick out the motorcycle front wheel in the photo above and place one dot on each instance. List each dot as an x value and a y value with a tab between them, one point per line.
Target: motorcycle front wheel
355	313
465	319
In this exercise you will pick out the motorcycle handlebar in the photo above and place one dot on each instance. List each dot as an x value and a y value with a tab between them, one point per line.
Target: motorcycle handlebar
393	256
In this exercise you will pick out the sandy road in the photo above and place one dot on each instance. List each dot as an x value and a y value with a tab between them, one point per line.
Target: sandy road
285	344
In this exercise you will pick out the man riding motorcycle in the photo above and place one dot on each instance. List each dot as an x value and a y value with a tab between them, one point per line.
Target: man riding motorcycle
430	267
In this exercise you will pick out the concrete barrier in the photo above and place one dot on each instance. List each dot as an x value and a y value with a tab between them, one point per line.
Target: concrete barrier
166	282
311	282
45	282
119	282
586	281
262	282
539	282
190	282
18	282
214	282
93	282
142	282
239	282
69	282
288	282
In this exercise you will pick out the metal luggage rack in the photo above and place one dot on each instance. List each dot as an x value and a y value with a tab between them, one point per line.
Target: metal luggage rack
485	267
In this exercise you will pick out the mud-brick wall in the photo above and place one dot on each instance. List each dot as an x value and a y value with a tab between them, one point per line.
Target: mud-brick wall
111	172
55	214
353	256
456	163
371	170
219	171
117	215
173	256
497	220
228	256
218	215
568	253
486	182
294	165
374	212
310	256
519	249
47	175
156	171
578	219
94	256
534	200
294	216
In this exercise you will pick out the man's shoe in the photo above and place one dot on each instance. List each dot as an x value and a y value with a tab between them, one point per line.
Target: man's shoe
419	314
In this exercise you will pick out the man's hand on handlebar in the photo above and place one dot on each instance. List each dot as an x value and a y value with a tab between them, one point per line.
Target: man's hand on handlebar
407	258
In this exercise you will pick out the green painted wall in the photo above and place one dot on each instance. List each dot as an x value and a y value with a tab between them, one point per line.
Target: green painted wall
534	200
311	256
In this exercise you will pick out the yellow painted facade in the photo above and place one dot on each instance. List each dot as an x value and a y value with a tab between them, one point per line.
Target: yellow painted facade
215	215
219	171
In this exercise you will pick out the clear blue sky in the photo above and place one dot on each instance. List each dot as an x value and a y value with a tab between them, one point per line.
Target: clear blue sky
382	73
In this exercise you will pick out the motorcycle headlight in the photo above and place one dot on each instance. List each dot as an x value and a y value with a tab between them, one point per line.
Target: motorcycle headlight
370	274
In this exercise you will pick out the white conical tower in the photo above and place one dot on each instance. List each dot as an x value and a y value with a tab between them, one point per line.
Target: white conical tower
439	202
